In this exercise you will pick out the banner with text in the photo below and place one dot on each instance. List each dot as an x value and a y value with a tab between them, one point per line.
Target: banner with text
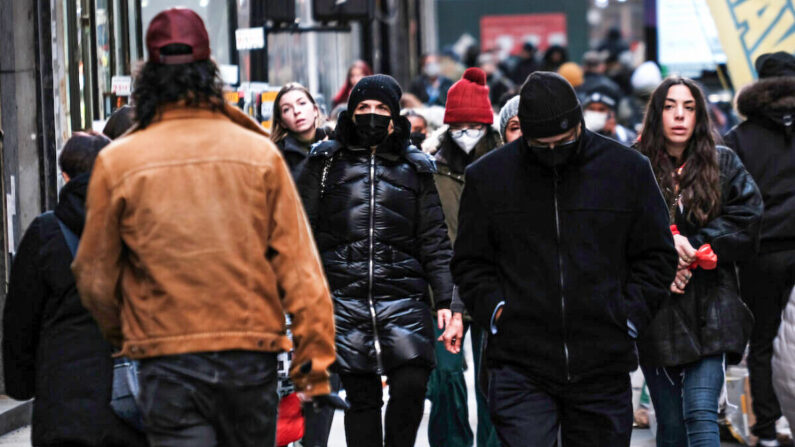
748	29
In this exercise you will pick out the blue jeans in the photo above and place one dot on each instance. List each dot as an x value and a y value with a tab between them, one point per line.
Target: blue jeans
685	402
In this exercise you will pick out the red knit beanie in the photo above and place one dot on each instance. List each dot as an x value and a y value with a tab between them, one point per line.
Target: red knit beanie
468	100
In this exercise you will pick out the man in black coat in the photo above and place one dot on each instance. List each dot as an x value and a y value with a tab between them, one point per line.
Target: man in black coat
564	256
766	145
52	347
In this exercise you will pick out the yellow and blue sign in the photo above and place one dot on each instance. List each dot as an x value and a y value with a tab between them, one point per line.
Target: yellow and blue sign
751	28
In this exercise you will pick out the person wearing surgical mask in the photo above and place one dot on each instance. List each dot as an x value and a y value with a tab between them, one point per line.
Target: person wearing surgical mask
371	200
469	136
431	86
599	114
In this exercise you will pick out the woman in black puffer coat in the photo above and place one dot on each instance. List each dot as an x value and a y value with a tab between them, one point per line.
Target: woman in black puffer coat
703	324
372	202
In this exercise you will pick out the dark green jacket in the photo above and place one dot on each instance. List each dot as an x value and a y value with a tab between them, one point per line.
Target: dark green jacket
451	162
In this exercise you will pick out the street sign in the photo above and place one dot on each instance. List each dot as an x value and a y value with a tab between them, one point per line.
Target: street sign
121	85
250	38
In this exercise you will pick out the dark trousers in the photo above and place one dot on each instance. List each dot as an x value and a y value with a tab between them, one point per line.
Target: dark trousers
364	392
317	421
528	412
765	282
210	399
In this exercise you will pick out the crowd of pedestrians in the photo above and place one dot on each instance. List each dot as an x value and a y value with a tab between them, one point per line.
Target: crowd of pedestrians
578	221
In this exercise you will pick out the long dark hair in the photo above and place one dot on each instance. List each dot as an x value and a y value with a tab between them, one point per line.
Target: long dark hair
699	181
197	84
279	130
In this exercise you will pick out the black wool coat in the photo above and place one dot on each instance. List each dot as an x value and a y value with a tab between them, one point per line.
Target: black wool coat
575	253
380	230
52	348
710	318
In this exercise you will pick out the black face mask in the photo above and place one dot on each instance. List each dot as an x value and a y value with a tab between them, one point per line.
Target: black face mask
371	128
417	138
557	156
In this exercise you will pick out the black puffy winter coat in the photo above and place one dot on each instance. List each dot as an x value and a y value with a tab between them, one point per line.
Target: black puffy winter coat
52	348
710	318
295	152
381	235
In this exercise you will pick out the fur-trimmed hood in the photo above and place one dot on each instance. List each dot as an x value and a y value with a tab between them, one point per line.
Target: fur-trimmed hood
770	100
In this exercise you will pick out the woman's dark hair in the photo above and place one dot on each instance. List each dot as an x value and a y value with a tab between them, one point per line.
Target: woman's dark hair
119	122
279	130
197	84
699	181
80	151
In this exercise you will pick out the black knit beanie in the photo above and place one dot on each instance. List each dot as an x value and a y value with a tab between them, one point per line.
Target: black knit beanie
548	106
775	64
380	87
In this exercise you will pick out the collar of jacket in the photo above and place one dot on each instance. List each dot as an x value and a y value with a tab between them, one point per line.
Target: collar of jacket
291	143
456	160
179	110
421	161
587	139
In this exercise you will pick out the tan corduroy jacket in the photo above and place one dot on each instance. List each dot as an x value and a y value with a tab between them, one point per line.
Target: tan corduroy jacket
196	240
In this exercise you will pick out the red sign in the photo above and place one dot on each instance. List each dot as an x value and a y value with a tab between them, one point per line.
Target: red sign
509	33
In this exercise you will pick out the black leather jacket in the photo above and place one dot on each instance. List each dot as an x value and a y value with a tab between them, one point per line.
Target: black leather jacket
710	318
381	234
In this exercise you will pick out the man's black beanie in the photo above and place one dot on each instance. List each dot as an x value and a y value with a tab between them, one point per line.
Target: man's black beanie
775	64
381	87
548	106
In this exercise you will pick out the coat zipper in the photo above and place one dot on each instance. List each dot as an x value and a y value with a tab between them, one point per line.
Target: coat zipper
376	339
560	270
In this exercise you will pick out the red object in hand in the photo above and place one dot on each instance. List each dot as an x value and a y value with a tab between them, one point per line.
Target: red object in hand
290	423
705	258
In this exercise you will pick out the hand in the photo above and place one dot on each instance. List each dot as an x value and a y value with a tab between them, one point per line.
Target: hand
443	317
687	254
680	281
453	334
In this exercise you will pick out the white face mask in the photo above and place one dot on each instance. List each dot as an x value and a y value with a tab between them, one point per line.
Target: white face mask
466	142
432	69
595	121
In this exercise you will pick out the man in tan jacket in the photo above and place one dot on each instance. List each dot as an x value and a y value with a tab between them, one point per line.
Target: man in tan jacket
195	245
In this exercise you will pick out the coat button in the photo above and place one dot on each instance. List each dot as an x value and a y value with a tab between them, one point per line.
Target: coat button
261	343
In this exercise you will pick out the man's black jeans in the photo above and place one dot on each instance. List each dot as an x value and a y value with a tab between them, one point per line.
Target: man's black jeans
210	399
765	283
407	386
528	412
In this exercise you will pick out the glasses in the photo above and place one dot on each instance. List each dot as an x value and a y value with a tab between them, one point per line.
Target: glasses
565	145
471	133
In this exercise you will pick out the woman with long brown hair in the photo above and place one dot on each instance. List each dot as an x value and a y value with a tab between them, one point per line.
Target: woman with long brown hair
296	124
715	209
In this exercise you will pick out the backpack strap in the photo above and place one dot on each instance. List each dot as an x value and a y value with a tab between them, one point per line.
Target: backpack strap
72	241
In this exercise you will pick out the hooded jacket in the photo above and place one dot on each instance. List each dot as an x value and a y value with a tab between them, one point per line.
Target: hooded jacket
710	318
52	347
196	241
574	252
382	238
765	143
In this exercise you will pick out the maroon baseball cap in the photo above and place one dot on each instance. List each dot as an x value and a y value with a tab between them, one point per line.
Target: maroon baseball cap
177	26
